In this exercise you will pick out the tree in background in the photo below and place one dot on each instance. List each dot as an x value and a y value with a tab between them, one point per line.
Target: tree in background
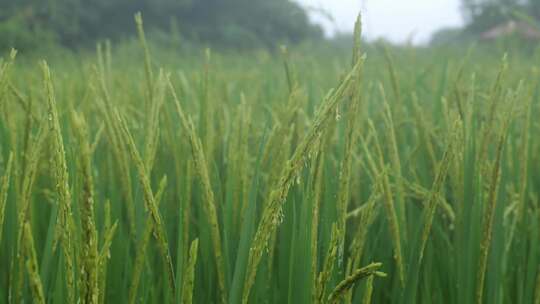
240	23
482	15
534	9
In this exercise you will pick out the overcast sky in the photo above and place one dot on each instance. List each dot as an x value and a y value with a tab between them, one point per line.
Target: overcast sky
396	20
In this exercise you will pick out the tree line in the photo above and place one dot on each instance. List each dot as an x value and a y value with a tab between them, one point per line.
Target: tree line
243	23
481	15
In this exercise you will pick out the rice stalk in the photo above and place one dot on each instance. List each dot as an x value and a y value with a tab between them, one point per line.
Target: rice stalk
272	212
238	161
356	249
206	114
32	159
367	216
394	158
152	124
346	167
436	189
524	157
89	287
209	204
316	201
282	130
390	209
458	93
357	40
495	98
4	187
27	188
368	291
393	77
243	155
104	253
186	217
341	289
328	266
422	194
104	256
142	246
489	213
32	266
4	72
358	212
147	58
97	138
371	163
521	200
290	73
65	225
281	157
117	142
23	102
423	130
188	277
233	161
150	201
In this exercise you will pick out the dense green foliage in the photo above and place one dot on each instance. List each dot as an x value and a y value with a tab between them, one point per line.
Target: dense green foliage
242	179
483	15
26	24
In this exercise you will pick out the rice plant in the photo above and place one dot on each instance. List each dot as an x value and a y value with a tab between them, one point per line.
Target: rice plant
147	177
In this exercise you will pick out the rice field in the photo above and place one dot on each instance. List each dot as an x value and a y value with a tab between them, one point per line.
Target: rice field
369	175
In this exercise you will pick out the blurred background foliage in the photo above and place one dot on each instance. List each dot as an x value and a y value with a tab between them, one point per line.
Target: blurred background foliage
27	24
482	15
516	23
230	24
